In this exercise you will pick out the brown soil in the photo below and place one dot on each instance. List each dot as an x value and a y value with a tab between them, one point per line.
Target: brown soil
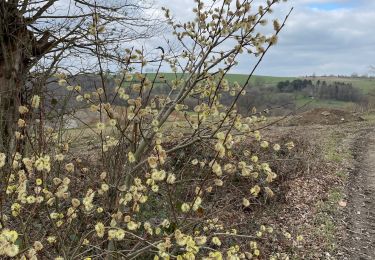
354	215
360	242
323	116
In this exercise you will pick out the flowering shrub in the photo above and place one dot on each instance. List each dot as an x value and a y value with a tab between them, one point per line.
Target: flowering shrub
126	196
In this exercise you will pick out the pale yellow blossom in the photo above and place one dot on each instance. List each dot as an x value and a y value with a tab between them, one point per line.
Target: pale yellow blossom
35	101
100	229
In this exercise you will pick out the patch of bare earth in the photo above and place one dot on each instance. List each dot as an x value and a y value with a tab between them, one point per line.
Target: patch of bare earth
360	242
323	116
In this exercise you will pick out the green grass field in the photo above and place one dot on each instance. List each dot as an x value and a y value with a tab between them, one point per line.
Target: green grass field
255	80
367	85
318	103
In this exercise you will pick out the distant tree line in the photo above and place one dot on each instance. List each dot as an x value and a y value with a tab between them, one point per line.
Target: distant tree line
295	85
322	89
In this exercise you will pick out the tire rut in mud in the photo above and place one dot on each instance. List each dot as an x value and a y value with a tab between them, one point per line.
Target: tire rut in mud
361	210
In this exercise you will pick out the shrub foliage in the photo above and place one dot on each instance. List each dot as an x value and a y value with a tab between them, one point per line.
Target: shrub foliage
136	190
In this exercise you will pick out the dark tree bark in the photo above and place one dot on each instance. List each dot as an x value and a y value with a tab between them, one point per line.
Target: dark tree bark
14	43
32	30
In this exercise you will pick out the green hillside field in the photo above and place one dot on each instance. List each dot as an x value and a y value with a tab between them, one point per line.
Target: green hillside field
256	80
366	85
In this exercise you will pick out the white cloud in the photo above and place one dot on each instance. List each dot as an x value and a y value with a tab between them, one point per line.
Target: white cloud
325	41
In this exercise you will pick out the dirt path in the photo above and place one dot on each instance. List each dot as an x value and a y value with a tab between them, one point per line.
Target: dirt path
361	196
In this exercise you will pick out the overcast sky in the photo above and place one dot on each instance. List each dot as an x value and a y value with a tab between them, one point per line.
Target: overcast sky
321	37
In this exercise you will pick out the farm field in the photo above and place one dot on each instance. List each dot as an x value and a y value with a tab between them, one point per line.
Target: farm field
365	85
256	80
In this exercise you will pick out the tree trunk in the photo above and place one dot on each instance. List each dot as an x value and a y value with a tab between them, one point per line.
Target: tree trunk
19	49
15	49
10	93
